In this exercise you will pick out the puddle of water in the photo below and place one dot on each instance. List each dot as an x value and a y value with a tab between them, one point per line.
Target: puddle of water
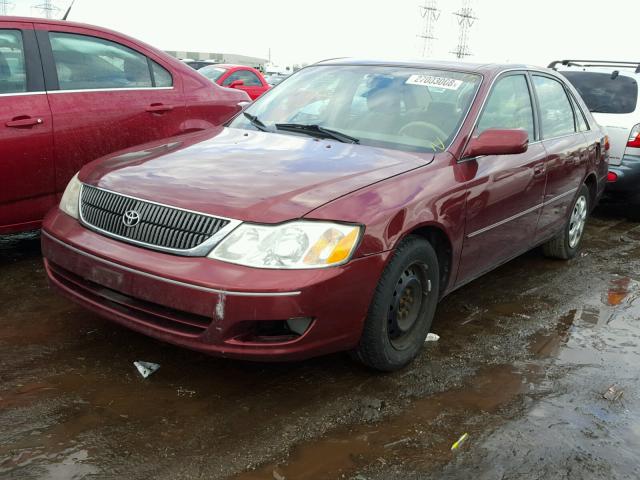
422	434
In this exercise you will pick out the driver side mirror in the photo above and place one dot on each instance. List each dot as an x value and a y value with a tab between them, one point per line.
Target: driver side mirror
495	141
235	84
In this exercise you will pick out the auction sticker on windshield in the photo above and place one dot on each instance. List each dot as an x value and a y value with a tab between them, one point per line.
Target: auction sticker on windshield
432	81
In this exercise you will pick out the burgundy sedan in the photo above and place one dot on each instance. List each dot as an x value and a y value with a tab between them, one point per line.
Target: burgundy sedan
71	93
334	212
240	77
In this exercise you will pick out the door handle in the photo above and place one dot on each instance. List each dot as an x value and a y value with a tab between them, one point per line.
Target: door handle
159	108
539	169
22	122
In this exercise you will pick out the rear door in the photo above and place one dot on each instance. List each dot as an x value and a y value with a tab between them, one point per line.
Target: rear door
567	152
505	195
106	94
27	190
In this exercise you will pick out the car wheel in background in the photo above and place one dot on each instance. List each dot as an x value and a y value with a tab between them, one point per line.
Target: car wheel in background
402	308
566	244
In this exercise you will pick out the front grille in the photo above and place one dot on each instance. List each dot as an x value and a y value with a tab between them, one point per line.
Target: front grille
158	226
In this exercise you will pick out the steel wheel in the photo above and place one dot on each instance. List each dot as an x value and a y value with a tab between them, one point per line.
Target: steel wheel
402	307
577	221
409	297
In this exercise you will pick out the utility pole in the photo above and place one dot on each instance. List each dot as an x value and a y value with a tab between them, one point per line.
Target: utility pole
5	7
430	14
47	8
466	19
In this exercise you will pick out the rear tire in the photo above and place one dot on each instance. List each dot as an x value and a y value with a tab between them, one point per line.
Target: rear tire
402	308
567	243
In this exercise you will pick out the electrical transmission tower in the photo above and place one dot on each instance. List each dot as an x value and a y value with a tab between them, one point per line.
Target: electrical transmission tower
5	7
47	8
466	19
430	14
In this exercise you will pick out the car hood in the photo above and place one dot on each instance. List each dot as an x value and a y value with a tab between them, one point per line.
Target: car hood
247	175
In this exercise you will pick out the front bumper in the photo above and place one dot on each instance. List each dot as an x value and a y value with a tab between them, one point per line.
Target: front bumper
628	181
208	305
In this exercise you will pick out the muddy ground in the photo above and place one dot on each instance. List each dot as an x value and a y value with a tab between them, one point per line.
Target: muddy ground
525	356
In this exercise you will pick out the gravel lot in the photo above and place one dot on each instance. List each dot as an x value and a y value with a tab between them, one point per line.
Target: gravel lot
525	356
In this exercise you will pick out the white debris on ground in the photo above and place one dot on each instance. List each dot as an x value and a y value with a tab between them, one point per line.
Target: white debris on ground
613	393
432	337
146	368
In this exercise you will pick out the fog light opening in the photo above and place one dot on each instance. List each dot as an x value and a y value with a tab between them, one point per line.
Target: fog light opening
612	177
299	325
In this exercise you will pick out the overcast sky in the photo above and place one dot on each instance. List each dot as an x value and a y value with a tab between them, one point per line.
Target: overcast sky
535	31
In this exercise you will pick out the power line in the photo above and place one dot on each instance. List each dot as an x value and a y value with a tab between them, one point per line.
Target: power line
47	8
430	13
466	18
5	7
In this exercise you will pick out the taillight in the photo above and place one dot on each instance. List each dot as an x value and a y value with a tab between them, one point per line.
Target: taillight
607	145
634	138
612	177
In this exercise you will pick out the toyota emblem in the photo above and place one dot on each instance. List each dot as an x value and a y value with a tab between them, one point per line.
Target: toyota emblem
130	218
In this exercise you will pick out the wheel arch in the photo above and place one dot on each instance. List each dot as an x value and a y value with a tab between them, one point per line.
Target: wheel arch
592	185
441	243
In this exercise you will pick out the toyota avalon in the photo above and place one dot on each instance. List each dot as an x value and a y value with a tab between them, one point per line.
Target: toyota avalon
334	212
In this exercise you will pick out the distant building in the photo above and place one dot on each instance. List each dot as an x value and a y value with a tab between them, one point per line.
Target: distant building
220	58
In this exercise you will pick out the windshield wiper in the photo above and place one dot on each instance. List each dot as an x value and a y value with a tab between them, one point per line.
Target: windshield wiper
317	130
256	122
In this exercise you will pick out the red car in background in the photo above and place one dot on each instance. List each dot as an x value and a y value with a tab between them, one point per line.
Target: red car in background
240	77
70	93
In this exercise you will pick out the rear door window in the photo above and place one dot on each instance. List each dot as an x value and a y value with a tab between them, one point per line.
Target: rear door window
509	106
87	63
605	92
13	77
556	113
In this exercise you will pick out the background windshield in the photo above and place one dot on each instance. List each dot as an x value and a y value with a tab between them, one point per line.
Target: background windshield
604	94
393	107
212	73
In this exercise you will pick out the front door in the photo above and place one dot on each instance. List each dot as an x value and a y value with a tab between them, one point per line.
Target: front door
505	194
27	188
251	83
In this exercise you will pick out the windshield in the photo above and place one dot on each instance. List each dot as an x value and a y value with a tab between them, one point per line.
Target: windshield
604	92
392	107
212	73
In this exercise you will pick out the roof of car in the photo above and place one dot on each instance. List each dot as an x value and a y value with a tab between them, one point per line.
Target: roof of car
628	71
422	63
232	65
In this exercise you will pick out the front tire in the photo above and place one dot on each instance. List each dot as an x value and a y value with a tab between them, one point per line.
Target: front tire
402	308
567	243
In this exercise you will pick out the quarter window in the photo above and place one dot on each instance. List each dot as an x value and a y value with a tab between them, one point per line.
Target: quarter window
509	106
249	78
85	63
161	75
13	78
556	114
581	122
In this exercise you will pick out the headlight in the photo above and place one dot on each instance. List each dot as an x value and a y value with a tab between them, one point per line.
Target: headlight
70	197
301	244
